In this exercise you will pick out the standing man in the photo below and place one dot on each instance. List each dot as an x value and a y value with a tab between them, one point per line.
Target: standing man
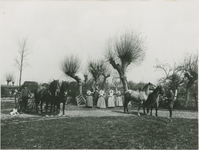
170	101
25	94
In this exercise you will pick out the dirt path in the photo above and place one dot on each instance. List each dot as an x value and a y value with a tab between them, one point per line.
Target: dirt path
81	111
102	113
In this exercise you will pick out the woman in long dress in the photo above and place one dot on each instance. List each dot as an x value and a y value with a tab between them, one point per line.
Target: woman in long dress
119	101
101	101
89	99
111	99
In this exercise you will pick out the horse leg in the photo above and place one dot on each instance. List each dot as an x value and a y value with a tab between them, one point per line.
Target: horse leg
156	109
54	111
64	103
51	107
148	110
36	106
139	109
125	107
58	108
151	110
46	106
127	110
41	106
144	108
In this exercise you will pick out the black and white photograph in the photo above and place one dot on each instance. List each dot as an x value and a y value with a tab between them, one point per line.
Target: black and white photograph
108	74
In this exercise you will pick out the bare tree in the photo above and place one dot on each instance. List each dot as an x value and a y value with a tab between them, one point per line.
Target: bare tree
189	67
173	75
21	61
127	49
9	78
70	66
97	69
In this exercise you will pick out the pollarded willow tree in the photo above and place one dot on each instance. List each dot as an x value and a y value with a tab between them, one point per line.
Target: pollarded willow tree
10	78
98	69
124	50
70	66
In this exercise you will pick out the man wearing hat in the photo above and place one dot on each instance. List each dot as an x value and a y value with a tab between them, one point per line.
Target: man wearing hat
25	94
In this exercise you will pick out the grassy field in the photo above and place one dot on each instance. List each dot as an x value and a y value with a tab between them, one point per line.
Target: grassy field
102	132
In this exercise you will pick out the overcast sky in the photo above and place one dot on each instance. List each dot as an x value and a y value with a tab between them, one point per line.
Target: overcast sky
55	29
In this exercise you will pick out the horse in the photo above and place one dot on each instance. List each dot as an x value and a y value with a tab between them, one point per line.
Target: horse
54	90
62	97
41	95
44	94
153	100
137	96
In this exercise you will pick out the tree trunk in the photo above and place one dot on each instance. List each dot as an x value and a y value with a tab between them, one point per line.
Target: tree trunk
121	70
116	89
20	77
79	83
176	94
80	88
124	82
104	81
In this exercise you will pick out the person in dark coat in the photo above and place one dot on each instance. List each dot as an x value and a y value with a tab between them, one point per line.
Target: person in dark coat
95	97
25	94
170	99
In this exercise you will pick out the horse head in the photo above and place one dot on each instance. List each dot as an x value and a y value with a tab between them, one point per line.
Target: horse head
54	87
151	86
148	87
64	88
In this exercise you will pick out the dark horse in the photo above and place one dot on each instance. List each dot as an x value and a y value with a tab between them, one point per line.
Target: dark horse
62	97
48	95
137	96
153	100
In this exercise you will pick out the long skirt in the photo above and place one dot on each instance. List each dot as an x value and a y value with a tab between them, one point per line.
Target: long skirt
101	103
89	101
119	101
111	101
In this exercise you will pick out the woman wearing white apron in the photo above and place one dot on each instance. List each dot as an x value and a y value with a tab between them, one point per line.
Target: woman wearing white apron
89	99
111	99
101	101
119	101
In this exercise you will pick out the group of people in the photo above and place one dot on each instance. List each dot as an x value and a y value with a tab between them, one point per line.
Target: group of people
100	100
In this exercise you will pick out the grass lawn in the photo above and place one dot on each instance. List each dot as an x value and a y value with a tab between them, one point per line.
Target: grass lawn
108	132
100	132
